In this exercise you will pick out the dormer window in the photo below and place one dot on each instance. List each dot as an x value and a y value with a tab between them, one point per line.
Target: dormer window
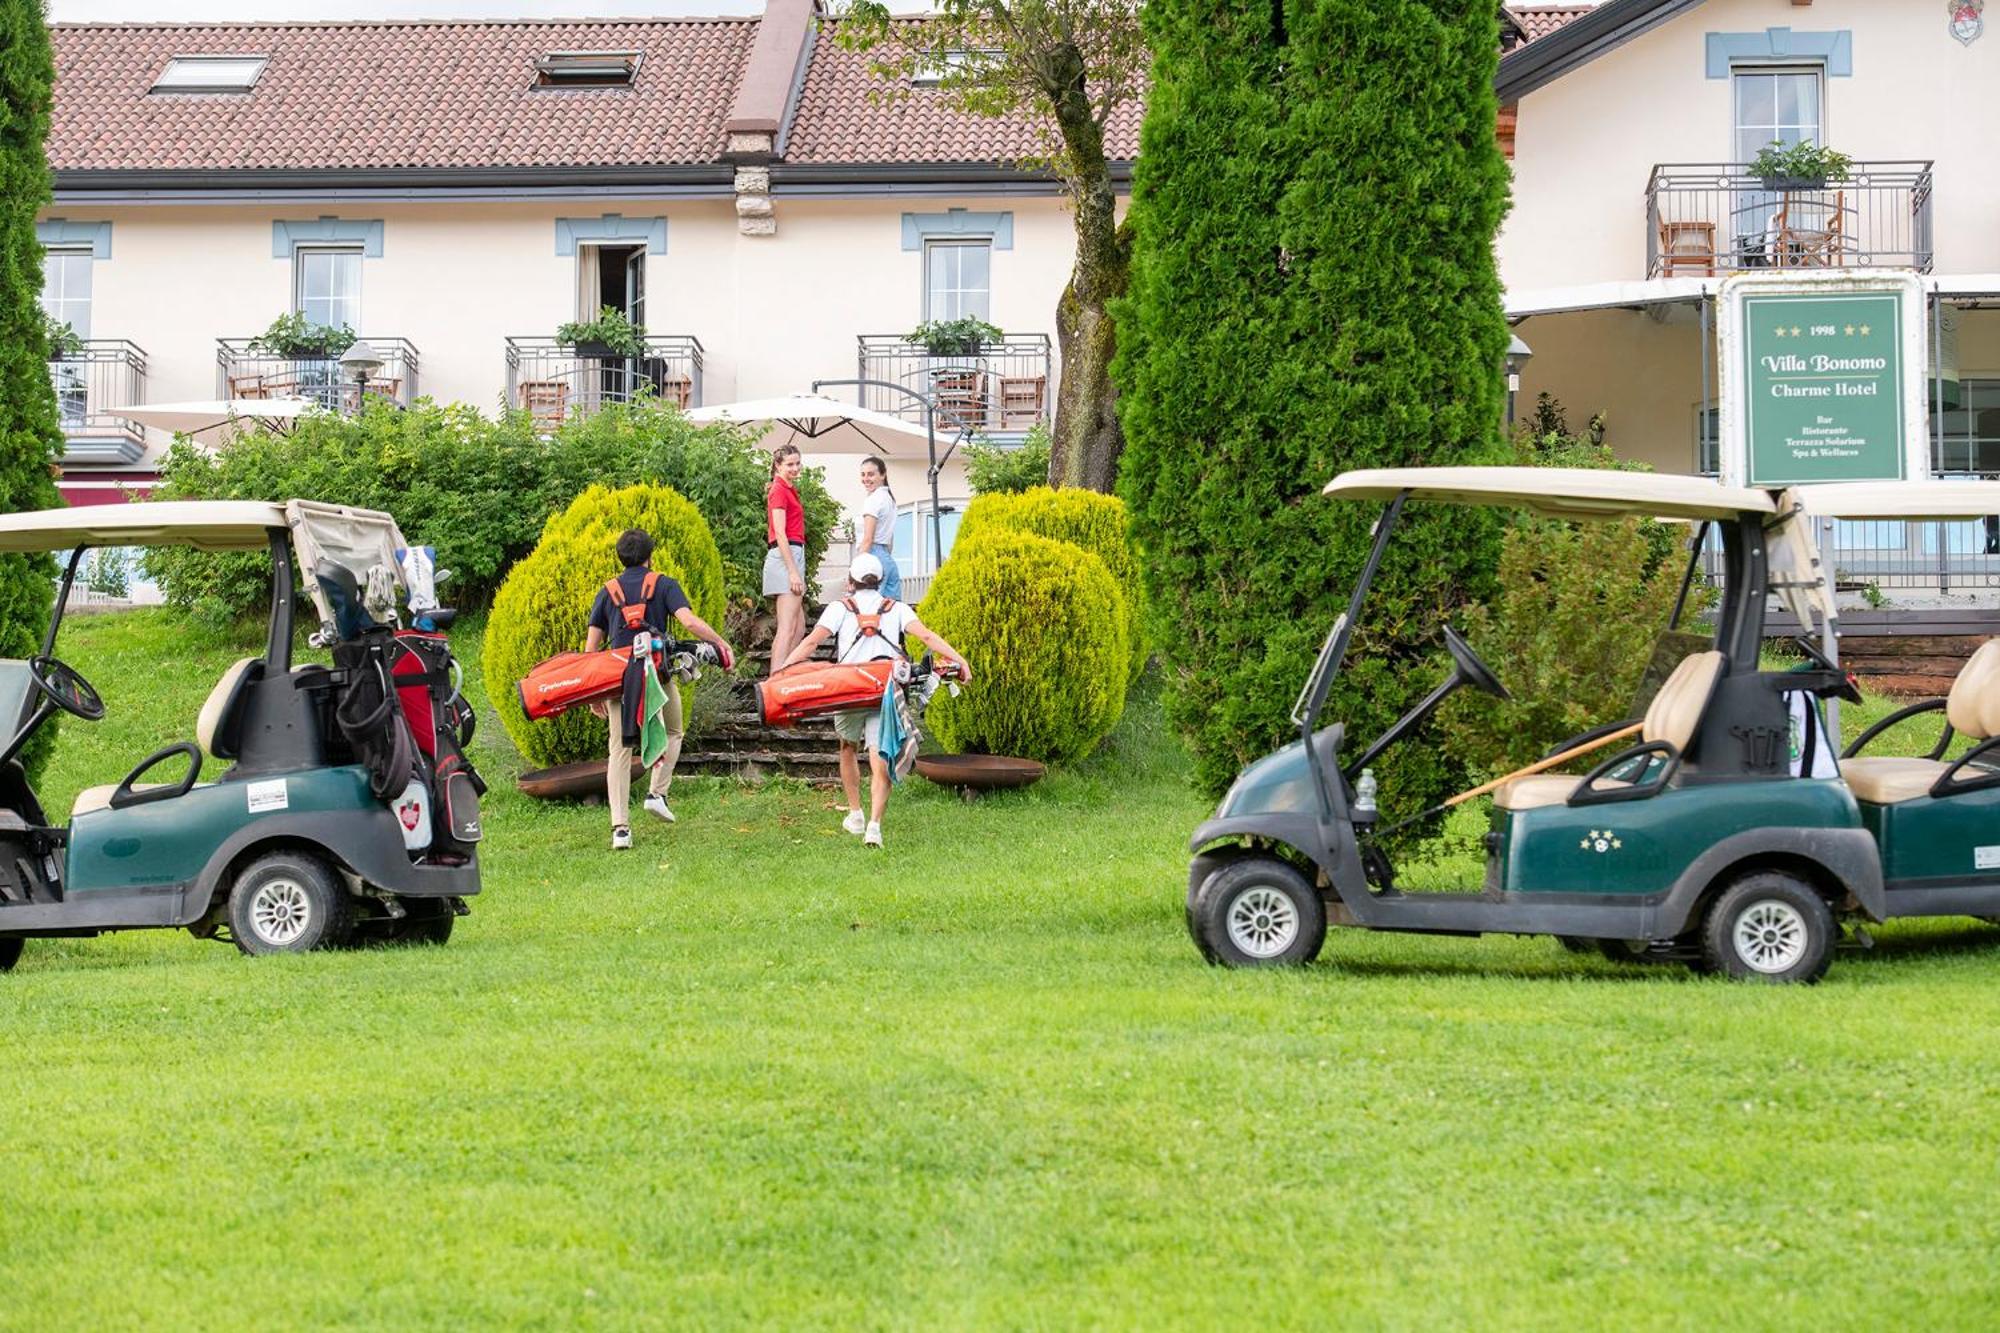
586	69
210	74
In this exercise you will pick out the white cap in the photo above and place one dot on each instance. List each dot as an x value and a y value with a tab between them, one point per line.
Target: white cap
866	566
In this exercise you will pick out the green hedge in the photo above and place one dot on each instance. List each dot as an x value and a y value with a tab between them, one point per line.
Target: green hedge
479	489
1313	290
543	607
1043	625
1097	523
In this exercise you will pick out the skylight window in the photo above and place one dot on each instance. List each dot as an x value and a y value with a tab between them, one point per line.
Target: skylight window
586	69
929	73
210	74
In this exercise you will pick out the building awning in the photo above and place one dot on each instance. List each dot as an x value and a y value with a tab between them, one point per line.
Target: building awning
1959	288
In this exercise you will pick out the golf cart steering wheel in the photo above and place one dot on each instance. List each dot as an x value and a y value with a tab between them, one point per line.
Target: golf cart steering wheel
63	687
1847	689
1476	673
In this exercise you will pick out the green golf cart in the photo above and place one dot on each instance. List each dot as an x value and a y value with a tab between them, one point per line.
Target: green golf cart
1706	838
333	819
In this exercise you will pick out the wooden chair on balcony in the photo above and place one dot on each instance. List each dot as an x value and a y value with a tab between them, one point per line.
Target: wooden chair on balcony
1021	400
1801	244
1687	247
262	386
960	395
546	402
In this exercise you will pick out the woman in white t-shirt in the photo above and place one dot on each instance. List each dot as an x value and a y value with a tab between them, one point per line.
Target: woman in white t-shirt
875	532
863	726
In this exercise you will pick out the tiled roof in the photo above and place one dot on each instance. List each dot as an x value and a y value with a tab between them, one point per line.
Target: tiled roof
1541	20
381	95
847	115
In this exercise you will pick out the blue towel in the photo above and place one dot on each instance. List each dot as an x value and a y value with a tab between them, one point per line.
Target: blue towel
889	740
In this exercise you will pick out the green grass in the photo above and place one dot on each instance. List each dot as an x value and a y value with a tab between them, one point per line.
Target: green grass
750	1074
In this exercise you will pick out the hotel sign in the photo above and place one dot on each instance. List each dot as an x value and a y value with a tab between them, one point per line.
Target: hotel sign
1822	379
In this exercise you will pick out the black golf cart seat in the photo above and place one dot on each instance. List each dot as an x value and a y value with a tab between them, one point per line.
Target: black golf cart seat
215	730
1671	717
1972	708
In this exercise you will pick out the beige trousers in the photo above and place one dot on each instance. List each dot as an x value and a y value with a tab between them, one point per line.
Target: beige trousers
618	783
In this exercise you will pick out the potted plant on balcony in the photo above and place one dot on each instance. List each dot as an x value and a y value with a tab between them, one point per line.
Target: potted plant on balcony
954	337
609	335
64	345
1800	166
294	338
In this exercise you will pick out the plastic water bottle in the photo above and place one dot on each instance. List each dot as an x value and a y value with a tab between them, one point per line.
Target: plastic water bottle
1364	797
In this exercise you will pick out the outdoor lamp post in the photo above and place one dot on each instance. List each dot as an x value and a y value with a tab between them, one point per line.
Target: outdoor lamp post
1518	353
360	361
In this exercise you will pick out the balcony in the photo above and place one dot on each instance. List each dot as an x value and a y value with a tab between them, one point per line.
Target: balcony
553	383
1707	219
100	376
241	372
1004	390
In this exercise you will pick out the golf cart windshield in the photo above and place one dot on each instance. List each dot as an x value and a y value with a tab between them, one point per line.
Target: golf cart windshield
348	562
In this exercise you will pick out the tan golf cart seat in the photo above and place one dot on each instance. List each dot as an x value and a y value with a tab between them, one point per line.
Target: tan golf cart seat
1972	708
1671	717
222	703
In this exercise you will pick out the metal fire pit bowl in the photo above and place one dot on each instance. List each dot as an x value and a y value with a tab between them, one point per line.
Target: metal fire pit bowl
979	772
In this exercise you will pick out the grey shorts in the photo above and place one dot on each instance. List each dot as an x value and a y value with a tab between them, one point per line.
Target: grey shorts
859	726
775	579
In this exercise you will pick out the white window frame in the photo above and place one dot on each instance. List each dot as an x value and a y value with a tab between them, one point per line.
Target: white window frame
300	254
937	243
68	252
210	74
1744	68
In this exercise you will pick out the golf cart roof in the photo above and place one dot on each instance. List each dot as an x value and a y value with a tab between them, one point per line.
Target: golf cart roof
1559	492
1901	499
210	525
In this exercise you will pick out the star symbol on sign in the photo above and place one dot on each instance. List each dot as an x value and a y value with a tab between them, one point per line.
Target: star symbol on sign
1850	330
1781	332
1797	332
1864	330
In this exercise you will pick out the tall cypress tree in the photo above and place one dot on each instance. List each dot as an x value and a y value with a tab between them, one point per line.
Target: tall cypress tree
30	436
1313	290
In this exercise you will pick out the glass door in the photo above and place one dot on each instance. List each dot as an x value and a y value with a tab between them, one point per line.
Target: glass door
1780	106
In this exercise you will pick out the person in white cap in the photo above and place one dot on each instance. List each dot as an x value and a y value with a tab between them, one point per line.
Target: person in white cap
865	626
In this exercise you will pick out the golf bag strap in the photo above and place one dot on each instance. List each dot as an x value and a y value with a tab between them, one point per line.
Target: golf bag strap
635	616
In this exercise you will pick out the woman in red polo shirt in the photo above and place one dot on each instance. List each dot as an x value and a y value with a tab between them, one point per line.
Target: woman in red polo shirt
785	553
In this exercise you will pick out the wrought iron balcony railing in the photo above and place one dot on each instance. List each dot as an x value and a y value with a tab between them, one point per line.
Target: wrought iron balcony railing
1705	219
553	383
243	373
1004	389
100	376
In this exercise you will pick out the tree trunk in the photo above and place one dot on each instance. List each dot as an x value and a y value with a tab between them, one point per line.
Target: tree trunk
1087	441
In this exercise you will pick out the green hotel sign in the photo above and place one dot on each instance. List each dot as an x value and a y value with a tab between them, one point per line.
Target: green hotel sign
1823	387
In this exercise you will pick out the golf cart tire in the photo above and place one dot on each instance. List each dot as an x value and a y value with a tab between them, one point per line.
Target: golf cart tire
1281	919
288	902
1576	944
10	952
1769	926
425	921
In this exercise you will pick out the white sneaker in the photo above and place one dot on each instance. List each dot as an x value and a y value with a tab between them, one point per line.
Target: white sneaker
621	838
657	805
873	837
855	823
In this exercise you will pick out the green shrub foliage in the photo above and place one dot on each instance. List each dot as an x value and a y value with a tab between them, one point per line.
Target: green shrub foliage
478	489
1043	624
544	606
1095	522
993	467
1313	290
30	438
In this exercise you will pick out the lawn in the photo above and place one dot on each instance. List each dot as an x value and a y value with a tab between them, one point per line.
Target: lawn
750	1073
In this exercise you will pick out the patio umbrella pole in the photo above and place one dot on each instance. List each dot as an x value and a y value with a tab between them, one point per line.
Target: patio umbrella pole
930	440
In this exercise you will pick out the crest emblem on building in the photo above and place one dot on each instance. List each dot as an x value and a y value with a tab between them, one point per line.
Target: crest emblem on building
1967	21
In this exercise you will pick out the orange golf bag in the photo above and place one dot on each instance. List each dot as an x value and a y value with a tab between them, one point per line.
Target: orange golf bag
809	690
568	680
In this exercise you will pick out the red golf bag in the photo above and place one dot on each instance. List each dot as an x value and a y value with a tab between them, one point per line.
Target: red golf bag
807	690
568	680
441	722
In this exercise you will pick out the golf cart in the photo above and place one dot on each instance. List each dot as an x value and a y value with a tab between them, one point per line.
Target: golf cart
1704	839
334	818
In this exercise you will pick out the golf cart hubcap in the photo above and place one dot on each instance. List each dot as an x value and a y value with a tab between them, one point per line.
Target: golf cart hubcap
1263	922
1771	936
280	911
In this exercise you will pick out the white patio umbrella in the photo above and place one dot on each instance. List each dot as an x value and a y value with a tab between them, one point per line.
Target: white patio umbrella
212	417
821	425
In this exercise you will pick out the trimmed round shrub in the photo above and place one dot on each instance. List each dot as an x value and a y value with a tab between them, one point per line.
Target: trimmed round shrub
1043	625
543	607
1096	522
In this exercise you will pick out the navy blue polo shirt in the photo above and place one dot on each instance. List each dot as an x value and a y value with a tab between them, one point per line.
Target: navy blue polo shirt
666	600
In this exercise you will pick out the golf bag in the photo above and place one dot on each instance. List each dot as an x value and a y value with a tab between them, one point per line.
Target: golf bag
441	721
568	680
806	690
375	717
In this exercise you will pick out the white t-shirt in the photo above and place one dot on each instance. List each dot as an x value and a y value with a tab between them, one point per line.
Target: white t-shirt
883	506
848	646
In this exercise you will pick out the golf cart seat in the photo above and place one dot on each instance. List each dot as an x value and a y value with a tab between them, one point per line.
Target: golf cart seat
1972	708
1670	718
216	731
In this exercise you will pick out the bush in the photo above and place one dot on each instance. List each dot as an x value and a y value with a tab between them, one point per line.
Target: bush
1043	625
477	489
991	468
1083	518
1290	224
543	607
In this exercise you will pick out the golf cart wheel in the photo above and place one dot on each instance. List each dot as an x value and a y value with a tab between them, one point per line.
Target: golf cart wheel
10	952
1769	926
1257	912
1576	944
288	902
425	921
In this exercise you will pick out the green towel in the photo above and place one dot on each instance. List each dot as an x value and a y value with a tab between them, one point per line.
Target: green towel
653	723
